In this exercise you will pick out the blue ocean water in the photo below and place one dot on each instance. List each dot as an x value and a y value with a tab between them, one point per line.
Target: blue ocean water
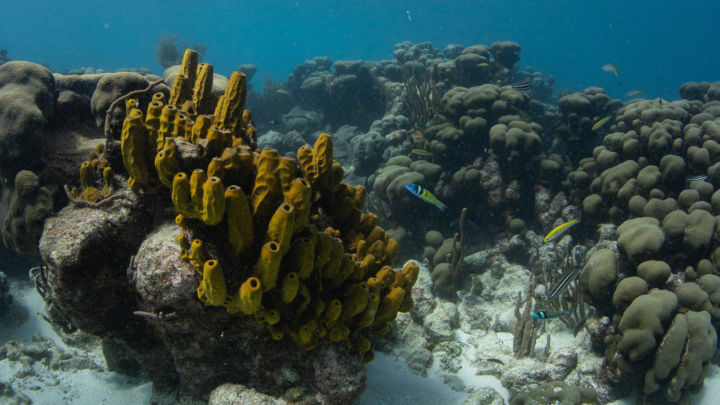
657	45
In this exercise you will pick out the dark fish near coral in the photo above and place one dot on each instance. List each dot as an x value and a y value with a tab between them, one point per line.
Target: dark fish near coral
564	283
498	361
547	315
522	86
423	194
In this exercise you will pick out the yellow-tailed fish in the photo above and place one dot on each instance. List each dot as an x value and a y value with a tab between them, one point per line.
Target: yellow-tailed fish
483	64
421	193
609	67
422	152
600	123
560	230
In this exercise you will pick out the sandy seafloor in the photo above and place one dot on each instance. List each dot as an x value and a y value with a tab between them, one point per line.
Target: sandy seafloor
390	381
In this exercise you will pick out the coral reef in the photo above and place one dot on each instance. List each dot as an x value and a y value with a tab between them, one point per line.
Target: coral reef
281	244
270	259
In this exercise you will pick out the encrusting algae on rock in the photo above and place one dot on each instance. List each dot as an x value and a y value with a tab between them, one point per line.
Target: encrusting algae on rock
279	239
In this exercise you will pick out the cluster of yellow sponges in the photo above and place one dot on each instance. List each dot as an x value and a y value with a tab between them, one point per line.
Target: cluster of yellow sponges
88	190
280	239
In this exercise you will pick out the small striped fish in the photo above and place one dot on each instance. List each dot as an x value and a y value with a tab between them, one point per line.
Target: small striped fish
522	86
564	283
548	315
600	123
422	153
559	231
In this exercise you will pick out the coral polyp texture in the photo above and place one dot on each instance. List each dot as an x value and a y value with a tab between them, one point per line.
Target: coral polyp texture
261	246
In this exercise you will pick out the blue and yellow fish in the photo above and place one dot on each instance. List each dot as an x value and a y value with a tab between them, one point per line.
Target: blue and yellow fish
559	230
547	315
422	153
421	193
599	124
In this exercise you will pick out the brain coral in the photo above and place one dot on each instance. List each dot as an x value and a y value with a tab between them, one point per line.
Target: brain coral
26	102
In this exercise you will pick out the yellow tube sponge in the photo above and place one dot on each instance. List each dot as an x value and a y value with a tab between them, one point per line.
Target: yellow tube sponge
285	173
136	154
268	265
389	305
167	123
181	123
180	195
152	121
230	107
367	316
267	316
305	159
87	182
306	335
198	255
323	249
298	195
216	141
391	252
385	276
322	155
376	234
189	64
200	128
213	207
166	162
332	267
276	332
410	274
360	343
301	257
182	89
355	299
239	221
266	193
339	332
202	93
211	290
347	267
304	298
332	311
197	180
280	228
289	288
248	298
